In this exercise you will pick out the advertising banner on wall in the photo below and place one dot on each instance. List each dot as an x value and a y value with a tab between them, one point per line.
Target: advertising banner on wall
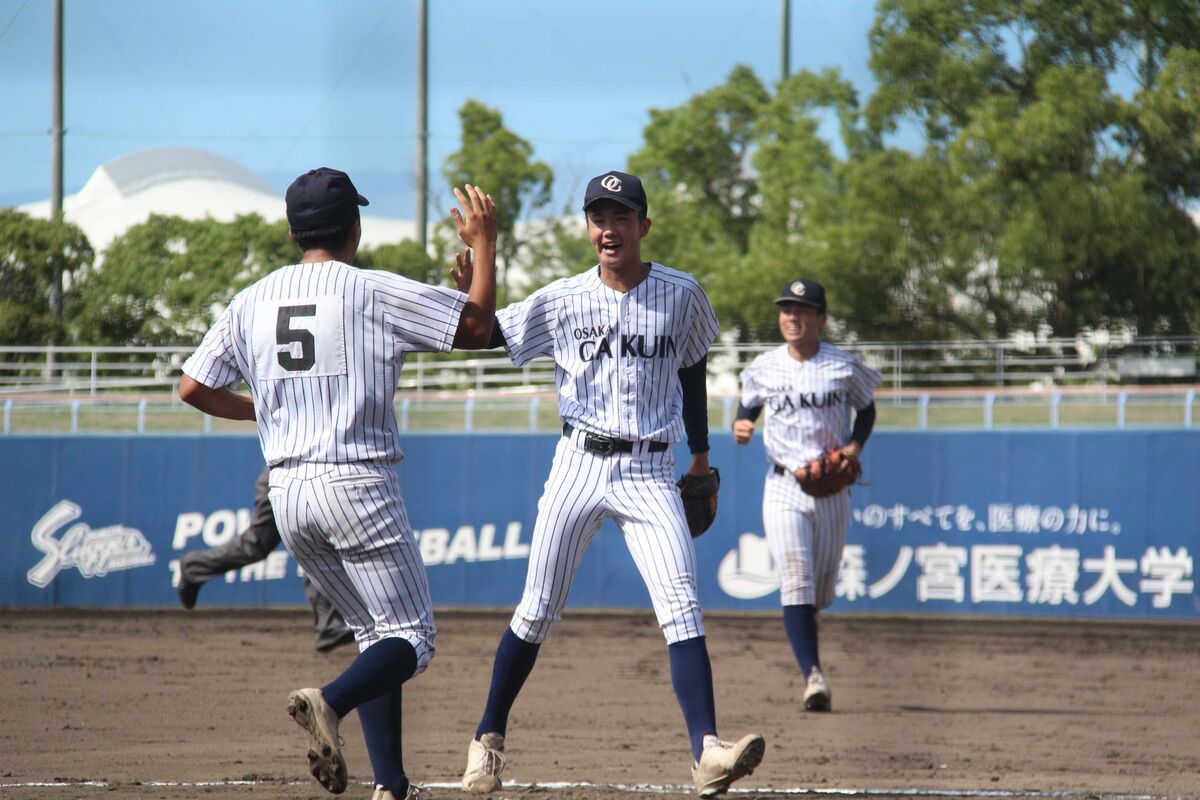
1033	523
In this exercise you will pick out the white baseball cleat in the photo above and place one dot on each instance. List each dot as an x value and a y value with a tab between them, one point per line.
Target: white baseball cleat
325	761
817	696
485	762
722	763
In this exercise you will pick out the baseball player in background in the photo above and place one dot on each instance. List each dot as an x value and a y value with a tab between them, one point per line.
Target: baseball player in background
629	340
320	345
252	545
809	387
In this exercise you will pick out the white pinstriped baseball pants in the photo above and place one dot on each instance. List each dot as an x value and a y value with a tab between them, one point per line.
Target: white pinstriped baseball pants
347	526
637	490
806	536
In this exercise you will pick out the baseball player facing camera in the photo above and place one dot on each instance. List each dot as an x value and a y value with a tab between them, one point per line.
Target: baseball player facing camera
810	387
629	340
320	345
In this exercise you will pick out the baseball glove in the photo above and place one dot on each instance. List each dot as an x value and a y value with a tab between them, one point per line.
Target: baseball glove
833	471
699	493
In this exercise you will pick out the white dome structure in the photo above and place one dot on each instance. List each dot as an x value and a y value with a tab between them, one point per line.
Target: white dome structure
188	183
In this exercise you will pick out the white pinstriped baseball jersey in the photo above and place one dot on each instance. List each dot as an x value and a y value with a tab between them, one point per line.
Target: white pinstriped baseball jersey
321	347
616	354
617	358
808	402
808	405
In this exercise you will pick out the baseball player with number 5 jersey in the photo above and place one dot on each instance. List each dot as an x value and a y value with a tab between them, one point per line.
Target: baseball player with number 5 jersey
320	345
810	388
629	340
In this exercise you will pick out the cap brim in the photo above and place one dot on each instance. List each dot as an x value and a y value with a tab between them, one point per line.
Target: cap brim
622	200
798	301
362	201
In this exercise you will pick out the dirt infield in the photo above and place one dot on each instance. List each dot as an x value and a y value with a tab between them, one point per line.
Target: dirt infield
171	704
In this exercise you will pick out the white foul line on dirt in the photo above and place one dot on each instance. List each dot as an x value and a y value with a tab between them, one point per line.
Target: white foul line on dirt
647	788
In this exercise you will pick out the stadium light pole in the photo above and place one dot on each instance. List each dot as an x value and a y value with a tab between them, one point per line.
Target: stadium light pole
785	41
422	119
56	147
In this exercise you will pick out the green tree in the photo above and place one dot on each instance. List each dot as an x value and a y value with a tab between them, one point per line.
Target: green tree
33	253
800	179
1065	199
555	248
695	166
407	258
164	281
500	161
696	156
736	179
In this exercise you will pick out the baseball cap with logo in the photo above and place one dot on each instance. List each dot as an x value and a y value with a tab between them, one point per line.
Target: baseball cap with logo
322	198
804	292
622	187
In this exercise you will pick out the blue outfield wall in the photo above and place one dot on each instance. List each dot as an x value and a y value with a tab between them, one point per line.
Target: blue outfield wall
1042	523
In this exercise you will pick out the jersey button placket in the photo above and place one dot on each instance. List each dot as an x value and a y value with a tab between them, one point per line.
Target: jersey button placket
628	371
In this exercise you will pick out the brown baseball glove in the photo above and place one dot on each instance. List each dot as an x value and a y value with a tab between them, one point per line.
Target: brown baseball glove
833	471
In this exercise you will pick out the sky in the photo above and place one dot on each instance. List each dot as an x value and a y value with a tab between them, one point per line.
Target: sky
282	86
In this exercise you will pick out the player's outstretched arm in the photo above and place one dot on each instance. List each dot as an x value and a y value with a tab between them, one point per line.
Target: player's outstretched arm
476	224
216	402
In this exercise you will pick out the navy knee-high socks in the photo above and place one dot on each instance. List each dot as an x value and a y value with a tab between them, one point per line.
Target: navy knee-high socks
800	622
373	683
381	667
515	658
691	675
381	719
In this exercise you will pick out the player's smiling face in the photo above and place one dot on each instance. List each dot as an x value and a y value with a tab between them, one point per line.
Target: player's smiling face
616	233
801	326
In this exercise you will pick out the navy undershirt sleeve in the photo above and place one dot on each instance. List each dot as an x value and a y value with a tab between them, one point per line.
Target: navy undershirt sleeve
694	380
748	413
497	339
864	423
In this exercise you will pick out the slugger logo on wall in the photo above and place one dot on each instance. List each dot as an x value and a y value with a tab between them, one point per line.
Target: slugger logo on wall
93	551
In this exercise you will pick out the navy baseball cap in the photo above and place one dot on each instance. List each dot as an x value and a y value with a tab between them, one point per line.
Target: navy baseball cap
322	198
804	292
626	189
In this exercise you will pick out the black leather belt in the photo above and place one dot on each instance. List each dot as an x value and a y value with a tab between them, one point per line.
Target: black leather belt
606	445
780	470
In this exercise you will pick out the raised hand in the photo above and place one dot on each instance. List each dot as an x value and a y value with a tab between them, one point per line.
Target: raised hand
476	222
476	272
463	273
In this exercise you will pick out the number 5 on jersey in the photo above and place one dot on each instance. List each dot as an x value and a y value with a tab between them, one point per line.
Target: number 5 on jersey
299	338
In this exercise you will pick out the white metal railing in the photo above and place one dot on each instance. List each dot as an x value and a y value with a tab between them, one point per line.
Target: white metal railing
1085	360
1171	407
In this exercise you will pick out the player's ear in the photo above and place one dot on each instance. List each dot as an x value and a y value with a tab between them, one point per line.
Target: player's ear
645	225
